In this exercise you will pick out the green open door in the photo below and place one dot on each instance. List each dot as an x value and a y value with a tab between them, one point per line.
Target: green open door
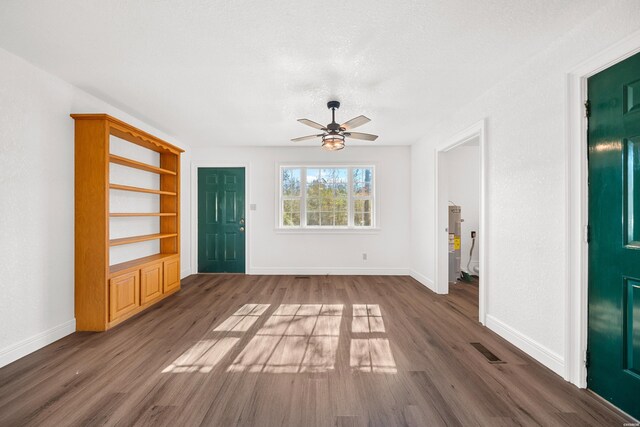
614	248
221	220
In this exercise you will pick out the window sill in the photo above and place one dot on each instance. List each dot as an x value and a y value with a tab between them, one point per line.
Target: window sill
371	230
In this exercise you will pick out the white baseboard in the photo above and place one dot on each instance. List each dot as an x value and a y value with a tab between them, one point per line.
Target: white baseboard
36	342
542	354
329	270
423	280
184	273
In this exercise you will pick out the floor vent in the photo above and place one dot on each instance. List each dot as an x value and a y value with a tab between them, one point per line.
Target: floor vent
303	277
492	358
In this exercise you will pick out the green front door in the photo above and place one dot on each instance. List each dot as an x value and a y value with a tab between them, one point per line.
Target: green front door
221	220
614	247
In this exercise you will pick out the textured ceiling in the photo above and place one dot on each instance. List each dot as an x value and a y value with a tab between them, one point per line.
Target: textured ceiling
241	72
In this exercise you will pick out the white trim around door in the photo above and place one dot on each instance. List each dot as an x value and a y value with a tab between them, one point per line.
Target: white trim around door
576	216
194	210
441	217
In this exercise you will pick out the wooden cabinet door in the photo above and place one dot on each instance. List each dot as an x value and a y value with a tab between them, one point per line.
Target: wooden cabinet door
150	283
124	294
171	274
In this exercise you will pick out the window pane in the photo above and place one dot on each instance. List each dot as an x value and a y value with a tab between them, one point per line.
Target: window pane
315	184
342	218
327	192
362	205
361	219
362	188
362	175
313	175
327	204
326	218
313	218
313	189
291	182
341	204
333	175
367	220
358	219
290	219
292	206
313	204
325	174
340	188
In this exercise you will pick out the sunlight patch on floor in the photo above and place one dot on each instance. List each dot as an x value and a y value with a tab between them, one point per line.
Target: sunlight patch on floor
295	338
203	356
372	355
367	318
243	319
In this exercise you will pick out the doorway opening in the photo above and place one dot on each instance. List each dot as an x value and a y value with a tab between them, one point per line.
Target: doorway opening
460	216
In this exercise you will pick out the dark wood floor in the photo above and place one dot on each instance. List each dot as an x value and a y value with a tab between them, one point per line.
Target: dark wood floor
359	350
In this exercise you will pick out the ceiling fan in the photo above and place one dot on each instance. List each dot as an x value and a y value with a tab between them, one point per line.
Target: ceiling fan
334	134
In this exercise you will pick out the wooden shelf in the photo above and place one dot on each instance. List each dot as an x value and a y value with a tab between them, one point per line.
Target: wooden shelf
105	294
140	189
136	239
139	262
126	214
139	165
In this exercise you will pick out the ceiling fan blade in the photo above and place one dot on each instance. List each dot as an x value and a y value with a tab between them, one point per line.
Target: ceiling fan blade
304	138
355	122
359	135
312	124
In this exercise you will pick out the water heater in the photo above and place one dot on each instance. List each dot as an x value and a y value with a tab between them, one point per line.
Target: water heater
455	229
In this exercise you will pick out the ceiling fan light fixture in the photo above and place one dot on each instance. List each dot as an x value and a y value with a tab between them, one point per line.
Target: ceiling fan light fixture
333	142
334	134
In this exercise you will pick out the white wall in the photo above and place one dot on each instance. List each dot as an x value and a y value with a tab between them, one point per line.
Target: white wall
36	204
276	252
526	194
463	188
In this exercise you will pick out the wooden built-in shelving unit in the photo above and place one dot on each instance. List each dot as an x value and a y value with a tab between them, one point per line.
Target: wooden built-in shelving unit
106	294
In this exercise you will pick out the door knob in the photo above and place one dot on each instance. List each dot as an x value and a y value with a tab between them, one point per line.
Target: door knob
241	220
241	228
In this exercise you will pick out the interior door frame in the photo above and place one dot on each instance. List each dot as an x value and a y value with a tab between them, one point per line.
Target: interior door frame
194	210
441	222
577	197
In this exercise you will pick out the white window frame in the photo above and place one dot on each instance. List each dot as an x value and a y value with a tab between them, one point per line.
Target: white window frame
350	227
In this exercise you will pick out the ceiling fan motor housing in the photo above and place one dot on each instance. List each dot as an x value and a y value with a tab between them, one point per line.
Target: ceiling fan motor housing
333	104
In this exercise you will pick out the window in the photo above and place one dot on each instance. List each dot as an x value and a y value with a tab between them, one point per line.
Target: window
327	197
